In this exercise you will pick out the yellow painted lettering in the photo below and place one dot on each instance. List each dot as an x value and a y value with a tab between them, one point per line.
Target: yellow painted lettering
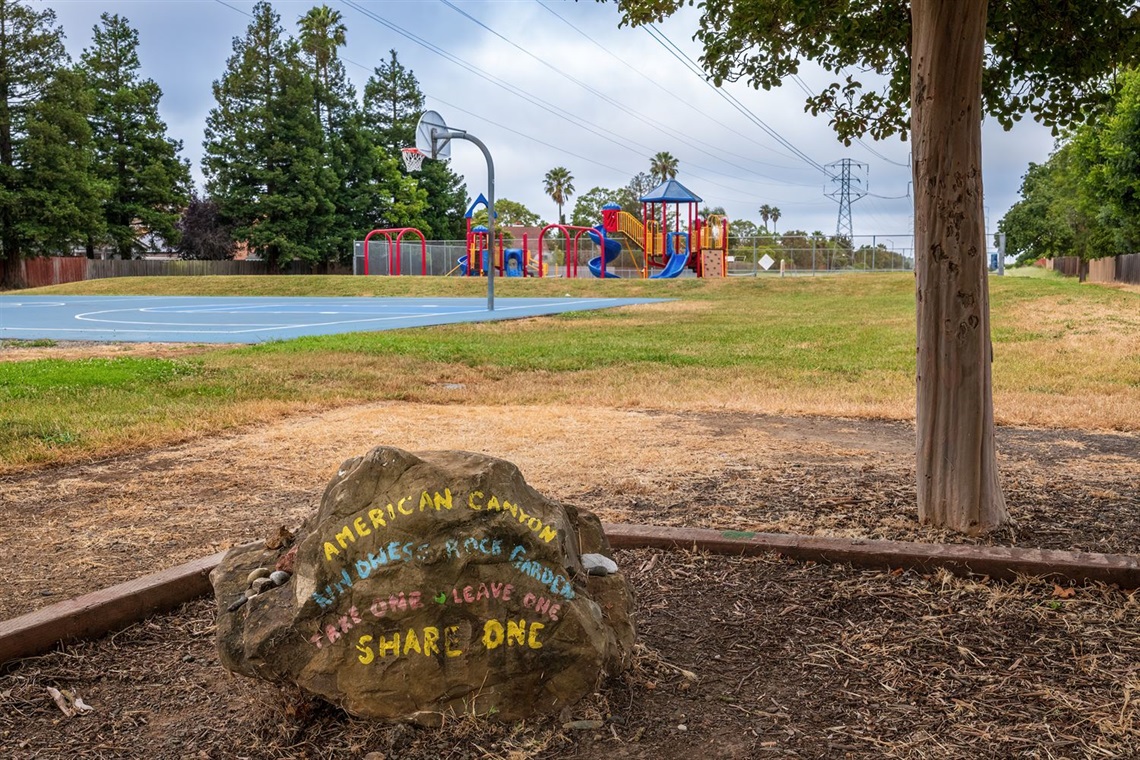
532	640
366	654
330	551
443	499
425	501
492	634
361	528
548	534
412	642
345	536
516	632
449	640
400	507
377	518
512	508
389	645
471	500
431	637
493	503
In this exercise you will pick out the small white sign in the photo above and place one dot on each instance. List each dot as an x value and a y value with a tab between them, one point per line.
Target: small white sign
767	262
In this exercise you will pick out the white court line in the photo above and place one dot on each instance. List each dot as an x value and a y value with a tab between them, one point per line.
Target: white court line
269	328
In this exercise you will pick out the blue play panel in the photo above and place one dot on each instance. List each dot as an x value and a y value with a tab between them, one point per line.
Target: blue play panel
186	319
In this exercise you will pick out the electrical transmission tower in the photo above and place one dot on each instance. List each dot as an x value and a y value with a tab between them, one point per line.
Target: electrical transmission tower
848	184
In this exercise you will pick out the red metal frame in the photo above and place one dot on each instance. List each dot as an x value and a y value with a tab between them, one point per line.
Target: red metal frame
572	245
399	232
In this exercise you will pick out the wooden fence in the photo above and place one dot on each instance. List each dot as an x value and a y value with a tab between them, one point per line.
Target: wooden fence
58	270
1124	268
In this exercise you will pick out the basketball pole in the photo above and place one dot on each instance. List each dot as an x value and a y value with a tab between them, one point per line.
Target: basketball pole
459	134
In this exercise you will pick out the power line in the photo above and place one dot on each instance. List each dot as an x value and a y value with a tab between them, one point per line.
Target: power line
498	82
680	55
667	92
674	134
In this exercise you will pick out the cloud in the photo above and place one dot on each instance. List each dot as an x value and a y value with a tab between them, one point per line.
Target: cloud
724	156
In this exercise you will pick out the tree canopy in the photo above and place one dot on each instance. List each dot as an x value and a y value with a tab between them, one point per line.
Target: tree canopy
1085	200
393	104
663	166
49	197
147	184
559	185
1054	60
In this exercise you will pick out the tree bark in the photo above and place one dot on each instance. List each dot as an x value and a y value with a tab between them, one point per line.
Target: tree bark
958	484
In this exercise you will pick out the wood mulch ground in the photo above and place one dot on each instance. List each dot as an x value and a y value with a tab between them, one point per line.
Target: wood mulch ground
752	657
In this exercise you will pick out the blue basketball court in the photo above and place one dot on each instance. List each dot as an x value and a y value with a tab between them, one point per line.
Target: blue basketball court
185	319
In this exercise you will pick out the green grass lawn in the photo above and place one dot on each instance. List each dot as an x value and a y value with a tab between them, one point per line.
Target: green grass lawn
848	338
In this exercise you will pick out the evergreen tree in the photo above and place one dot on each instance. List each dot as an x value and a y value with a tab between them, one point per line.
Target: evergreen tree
393	104
61	198
371	190
147	184
264	159
48	198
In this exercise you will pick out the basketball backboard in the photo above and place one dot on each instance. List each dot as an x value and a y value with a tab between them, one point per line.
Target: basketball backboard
439	149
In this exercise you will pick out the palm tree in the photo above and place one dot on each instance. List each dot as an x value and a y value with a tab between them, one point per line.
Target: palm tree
559	185
322	32
663	166
774	212
765	215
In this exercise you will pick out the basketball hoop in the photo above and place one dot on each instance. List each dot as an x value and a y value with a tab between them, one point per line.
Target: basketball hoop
413	159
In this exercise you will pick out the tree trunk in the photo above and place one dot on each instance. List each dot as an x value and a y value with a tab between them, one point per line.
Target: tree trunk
958	483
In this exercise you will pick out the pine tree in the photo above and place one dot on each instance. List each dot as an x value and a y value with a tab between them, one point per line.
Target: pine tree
393	104
48	198
371	191
148	185
264	159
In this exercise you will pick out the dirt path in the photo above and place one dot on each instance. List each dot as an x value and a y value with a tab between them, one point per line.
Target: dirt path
66	531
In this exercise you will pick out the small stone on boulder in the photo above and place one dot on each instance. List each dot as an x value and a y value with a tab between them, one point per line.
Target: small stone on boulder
598	564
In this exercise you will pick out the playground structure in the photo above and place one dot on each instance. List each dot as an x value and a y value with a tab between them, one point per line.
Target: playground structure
510	262
664	242
671	237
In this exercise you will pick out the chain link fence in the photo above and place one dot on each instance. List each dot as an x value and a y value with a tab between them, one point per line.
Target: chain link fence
799	255
810	254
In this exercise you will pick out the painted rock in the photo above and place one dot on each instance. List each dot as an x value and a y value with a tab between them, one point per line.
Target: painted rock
429	585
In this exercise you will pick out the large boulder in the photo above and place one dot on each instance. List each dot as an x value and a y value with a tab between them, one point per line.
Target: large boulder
430	584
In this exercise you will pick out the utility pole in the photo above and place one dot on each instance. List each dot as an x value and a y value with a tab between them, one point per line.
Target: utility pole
848	184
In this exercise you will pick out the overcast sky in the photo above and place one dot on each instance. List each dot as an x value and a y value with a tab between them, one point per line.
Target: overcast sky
602	101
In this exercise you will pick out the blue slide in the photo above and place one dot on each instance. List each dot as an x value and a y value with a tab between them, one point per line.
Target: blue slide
613	250
463	264
677	261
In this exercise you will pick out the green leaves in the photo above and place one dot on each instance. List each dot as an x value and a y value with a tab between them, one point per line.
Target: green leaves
48	198
559	185
1053	61
433	199
146	183
265	161
1085	200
